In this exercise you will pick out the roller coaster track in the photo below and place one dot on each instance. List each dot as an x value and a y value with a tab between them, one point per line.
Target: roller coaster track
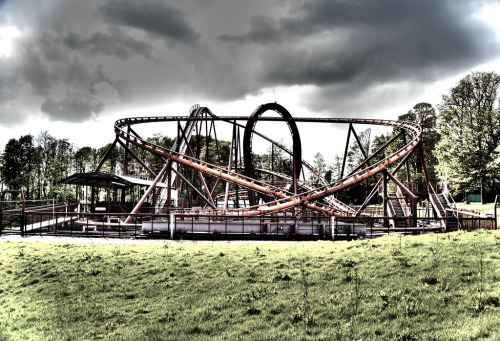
285	200
330	200
280	146
180	146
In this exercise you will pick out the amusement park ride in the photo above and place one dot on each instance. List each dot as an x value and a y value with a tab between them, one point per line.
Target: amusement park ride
189	195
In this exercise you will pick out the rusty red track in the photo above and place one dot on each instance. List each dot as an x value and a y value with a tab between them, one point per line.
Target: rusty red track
285	200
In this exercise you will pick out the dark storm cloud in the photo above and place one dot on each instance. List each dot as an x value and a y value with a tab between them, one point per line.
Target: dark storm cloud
117	45
334	41
159	19
264	30
10	85
9	82
75	107
150	52
47	62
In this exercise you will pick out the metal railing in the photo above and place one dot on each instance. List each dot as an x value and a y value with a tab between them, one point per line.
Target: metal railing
66	222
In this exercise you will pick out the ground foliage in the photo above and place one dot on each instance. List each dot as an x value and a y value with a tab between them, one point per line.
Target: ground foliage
441	287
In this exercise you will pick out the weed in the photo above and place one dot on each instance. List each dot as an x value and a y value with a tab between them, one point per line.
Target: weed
117	250
409	305
385	299
303	312
481	274
347	263
167	318
253	311
357	300
20	250
401	259
300	316
281	277
429	279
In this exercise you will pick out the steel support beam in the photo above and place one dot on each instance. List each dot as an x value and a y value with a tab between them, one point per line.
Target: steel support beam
148	192
211	204
346	150
375	154
106	155
375	188
128	150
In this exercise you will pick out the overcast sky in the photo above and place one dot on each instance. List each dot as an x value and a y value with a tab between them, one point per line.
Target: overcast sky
74	67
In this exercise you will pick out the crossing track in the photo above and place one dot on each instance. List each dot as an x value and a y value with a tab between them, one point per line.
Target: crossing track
283	200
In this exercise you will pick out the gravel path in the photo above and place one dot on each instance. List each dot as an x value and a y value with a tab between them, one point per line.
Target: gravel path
55	239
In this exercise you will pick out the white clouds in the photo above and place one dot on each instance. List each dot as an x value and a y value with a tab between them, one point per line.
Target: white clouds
8	35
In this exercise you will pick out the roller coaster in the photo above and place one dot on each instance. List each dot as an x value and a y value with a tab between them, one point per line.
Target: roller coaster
275	199
235	195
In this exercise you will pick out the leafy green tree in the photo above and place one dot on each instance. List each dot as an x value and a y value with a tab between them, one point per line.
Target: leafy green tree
2	182
17	164
470	128
155	162
425	116
333	172
493	168
83	160
378	142
59	169
319	166
53	163
46	150
355	156
114	160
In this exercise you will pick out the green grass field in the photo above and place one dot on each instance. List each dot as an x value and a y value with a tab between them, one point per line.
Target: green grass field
431	287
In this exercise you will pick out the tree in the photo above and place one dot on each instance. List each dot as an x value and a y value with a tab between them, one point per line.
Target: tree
319	166
334	169
355	156
469	124
425	116
46	150
59	169
114	159
83	160
378	142
17	164
493	167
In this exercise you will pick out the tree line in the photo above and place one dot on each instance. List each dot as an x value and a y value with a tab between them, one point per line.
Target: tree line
461	139
460	144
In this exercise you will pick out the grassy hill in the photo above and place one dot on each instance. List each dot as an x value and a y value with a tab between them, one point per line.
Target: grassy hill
443	286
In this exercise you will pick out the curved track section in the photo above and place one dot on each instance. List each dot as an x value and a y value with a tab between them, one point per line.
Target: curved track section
336	203
247	143
285	201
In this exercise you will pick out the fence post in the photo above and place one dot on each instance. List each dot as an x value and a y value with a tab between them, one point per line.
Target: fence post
172	225
332	229
2	197
495	211
22	221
